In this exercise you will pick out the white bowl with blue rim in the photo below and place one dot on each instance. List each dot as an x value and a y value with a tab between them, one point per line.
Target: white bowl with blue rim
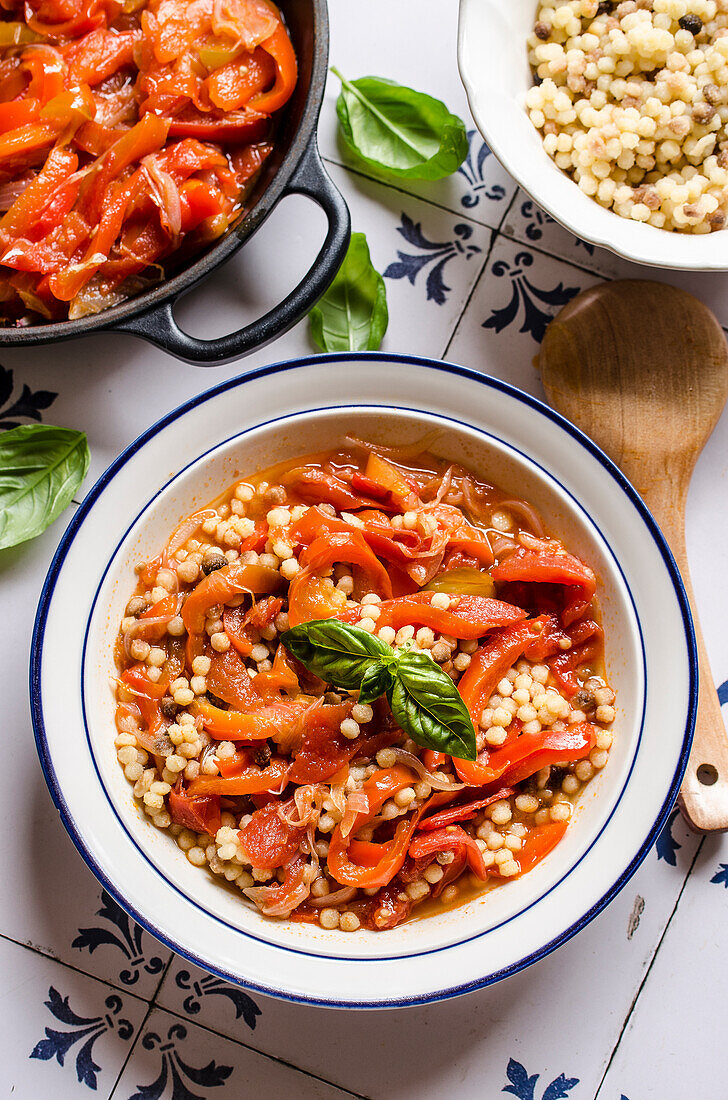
286	410
494	67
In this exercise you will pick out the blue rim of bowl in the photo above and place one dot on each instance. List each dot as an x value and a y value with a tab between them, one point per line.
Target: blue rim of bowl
282	420
277	368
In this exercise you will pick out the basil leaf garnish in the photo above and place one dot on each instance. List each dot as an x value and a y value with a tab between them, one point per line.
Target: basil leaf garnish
377	680
338	653
399	131
352	315
424	700
41	467
428	706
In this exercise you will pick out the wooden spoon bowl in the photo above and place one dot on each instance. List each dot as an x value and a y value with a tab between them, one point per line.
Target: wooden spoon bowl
642	368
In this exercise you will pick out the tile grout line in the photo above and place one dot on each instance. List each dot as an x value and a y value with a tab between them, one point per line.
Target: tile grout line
256	1050
646	974
494	234
133	1046
554	256
411	195
76	969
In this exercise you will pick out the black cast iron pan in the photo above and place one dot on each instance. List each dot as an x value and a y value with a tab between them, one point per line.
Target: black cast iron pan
294	168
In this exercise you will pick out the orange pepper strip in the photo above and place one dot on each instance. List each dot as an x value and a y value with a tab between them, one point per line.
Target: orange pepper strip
18	113
378	788
222	585
280	48
233	725
539	842
351	547
471	619
27	208
251	781
27	139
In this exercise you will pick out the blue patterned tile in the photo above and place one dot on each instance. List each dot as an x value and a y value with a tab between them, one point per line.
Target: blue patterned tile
175	1060
136	952
523	1086
198	996
18	408
64	1034
430	258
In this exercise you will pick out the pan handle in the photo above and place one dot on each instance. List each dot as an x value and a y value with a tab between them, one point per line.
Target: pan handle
158	326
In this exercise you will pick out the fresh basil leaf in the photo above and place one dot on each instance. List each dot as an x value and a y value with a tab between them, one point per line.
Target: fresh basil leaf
352	315
338	653
40	469
399	131
376	681
428	707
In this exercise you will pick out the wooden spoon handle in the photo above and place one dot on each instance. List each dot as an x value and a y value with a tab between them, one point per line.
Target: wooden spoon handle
704	791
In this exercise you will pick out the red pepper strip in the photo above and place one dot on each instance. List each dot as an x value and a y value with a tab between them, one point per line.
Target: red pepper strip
275	720
452	839
269	840
464	812
378	788
222	585
199	813
29	207
471	619
539	567
258	539
18	113
239	623
324	749
539	842
98	55
147	136
318	486
235	128
136	677
161	609
251	781
198	203
432	759
564	667
516	761
491	661
232	85
230	680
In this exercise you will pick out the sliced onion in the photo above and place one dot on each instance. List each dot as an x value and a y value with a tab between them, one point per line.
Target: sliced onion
357	803
526	513
338	797
165	193
339	897
264	898
259	23
408	451
437	781
308	800
183	531
11	191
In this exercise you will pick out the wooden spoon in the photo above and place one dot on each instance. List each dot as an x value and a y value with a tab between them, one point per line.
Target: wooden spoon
642	368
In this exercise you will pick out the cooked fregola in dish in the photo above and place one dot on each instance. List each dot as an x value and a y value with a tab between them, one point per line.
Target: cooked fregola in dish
360	680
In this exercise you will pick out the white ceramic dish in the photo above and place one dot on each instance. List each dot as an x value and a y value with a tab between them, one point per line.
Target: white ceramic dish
493	61
287	410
